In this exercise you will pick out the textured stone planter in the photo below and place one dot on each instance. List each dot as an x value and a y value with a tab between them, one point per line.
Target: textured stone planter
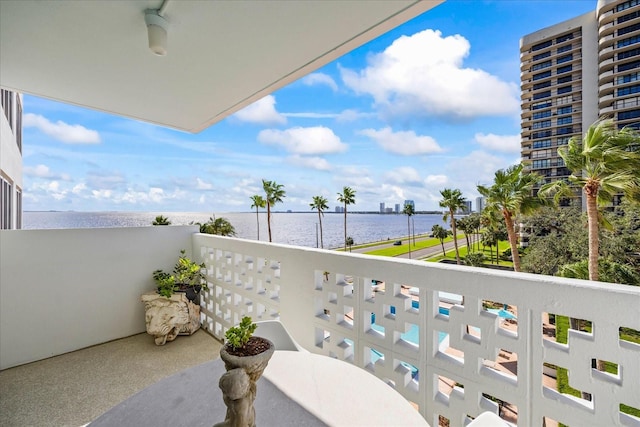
166	318
238	385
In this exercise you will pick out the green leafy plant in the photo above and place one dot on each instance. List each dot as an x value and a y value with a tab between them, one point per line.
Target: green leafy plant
186	274
238	336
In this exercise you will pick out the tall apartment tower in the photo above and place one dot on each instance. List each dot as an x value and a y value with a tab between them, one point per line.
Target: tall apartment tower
10	160
573	73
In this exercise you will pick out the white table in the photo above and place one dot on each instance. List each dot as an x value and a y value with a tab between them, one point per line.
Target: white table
339	393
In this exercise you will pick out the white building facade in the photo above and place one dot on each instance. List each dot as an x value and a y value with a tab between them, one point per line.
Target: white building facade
10	160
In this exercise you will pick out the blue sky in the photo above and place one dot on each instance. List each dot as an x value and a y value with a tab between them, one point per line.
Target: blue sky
432	104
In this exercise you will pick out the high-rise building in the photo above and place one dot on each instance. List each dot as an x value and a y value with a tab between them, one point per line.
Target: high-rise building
479	204
10	160
468	206
574	72
382	207
397	209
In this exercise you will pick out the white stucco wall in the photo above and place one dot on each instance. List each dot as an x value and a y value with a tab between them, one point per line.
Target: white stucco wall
62	290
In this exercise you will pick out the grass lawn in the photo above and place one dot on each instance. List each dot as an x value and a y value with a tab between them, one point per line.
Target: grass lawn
381	242
562	330
488	252
404	248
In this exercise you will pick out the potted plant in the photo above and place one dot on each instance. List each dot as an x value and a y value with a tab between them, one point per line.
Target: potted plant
245	358
187	277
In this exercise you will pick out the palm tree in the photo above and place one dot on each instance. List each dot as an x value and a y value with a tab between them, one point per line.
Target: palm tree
510	195
274	193
453	200
408	211
350	242
606	162
441	233
220	226
161	220
320	204
258	202
348	197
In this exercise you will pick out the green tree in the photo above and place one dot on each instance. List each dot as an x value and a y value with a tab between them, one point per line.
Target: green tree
440	233
161	220
452	200
511	195
274	194
604	163
466	225
258	202
610	271
408	211
347	197
350	242
219	226
320	204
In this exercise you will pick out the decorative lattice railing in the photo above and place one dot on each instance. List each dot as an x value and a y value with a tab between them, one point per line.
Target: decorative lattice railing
457	341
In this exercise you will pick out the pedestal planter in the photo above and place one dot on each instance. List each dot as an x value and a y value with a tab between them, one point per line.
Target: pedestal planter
168	317
238	384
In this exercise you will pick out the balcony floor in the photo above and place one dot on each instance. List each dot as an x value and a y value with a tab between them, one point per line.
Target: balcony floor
75	388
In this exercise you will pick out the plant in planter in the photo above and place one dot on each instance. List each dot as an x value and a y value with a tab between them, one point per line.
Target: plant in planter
245	358
187	277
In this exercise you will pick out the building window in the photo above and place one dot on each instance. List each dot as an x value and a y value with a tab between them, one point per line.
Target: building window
564	38
629	29
541	45
628	90
541	95
563	140
627	78
628	41
628	66
542	114
542	124
565	58
565	79
564	89
544	143
541	154
564	131
18	129
544	163
628	17
6	98
18	209
629	53
564	110
627	5
543	134
564	120
541	65
541	105
6	208
542	85
541	75
564	48
541	56
626	115
564	69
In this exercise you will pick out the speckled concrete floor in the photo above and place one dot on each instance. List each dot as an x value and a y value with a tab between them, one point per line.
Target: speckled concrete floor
75	388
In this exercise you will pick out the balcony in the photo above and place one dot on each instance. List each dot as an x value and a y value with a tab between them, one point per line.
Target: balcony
326	300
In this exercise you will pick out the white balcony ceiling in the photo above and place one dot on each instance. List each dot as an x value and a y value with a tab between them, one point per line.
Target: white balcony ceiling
222	55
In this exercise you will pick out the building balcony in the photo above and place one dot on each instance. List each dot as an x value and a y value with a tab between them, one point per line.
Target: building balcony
427	325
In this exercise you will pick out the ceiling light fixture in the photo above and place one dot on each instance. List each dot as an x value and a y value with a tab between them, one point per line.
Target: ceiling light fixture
157	29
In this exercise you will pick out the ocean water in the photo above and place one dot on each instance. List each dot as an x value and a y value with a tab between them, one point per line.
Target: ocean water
288	228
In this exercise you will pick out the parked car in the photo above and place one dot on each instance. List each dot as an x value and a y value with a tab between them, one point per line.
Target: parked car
397	243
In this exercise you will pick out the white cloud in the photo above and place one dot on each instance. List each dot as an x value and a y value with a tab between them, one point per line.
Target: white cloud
423	75
405	143
79	188
317	163
103	180
43	171
320	79
69	134
344	116
403	175
262	112
436	180
202	185
305	141
503	143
